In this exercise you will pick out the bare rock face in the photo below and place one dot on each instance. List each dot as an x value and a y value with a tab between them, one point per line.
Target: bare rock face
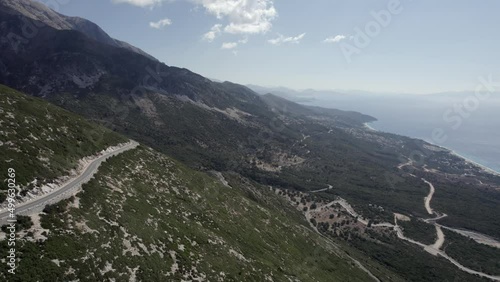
41	15
36	11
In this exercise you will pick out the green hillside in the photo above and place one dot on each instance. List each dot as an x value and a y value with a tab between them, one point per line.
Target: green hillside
146	217
43	142
146	214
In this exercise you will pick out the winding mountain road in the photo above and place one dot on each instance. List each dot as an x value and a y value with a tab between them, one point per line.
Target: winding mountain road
37	204
435	249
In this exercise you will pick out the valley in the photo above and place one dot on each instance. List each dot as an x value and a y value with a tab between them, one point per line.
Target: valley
326	218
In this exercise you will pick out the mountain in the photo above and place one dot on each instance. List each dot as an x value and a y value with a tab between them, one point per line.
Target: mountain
308	96
141	97
146	217
348	117
359	189
37	16
283	92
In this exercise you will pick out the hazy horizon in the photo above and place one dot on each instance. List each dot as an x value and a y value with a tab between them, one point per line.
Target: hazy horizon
351	91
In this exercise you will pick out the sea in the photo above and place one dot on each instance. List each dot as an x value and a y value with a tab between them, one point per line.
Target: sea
465	123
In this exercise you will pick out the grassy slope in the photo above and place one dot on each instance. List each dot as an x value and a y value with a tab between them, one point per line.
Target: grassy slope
43	141
165	211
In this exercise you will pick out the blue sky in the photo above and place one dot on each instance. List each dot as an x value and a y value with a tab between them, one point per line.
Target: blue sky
413	46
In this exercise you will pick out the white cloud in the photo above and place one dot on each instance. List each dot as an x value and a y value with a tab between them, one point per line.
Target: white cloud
140	3
243	16
233	45
213	33
161	23
335	39
229	45
282	39
239	16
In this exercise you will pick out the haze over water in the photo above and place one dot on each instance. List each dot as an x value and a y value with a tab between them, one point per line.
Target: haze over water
477	138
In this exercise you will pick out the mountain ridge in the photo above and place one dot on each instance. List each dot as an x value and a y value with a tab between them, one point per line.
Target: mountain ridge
146	217
40	15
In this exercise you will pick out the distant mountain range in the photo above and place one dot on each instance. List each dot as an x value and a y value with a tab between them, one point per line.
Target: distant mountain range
310	95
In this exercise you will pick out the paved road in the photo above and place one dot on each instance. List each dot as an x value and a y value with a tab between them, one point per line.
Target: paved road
37	204
322	190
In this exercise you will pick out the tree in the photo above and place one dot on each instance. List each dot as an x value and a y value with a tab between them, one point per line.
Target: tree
313	221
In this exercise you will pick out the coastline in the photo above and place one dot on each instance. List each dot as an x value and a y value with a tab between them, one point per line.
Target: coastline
451	151
483	167
467	159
